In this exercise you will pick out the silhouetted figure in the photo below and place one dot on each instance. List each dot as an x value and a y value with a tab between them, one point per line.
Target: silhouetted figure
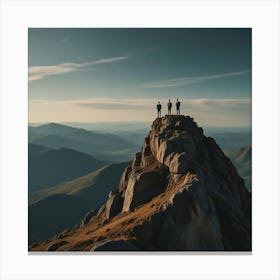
178	104
158	110
169	106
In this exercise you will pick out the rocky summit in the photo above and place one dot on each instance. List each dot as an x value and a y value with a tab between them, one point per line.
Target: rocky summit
180	193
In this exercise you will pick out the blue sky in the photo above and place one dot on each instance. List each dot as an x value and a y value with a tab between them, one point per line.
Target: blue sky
93	75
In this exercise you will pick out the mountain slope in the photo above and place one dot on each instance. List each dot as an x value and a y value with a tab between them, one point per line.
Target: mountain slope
47	167
180	193
54	214
242	159
105	146
35	150
55	142
56	208
92	187
232	140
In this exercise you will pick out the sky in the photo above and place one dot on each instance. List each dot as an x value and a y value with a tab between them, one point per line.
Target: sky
119	74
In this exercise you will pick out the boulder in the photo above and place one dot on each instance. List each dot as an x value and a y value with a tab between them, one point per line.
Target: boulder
101	210
163	151
124	178
86	219
142	187
136	160
179	163
114	205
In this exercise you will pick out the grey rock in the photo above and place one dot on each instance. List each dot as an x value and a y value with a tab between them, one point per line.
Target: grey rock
88	216
136	160
101	210
142	187
114	205
179	163
124	178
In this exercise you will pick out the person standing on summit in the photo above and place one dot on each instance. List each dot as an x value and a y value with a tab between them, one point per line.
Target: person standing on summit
178	104
169	106
158	110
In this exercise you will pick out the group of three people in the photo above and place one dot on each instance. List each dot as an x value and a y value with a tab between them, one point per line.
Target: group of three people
169	107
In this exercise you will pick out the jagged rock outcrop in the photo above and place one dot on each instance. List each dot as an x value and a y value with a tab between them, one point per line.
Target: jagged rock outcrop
213	214
179	193
88	216
114	204
142	186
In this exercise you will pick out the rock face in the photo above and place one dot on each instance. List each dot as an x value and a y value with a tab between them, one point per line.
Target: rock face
88	217
114	205
179	193
142	186
213	214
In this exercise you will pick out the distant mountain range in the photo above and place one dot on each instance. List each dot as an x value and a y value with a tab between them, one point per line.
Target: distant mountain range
69	173
104	146
47	167
105	127
232	140
242	159
180	193
119	141
54	209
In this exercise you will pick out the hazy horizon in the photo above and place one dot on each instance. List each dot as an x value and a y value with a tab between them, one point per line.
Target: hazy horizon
93	75
122	122
130	126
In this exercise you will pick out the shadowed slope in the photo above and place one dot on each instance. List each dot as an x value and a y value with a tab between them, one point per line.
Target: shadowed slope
242	159
49	167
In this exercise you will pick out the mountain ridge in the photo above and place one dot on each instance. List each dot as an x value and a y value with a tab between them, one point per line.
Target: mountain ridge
242	159
103	146
180	193
51	166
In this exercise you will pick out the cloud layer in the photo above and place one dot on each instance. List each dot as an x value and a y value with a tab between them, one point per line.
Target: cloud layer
40	72
128	104
213	112
176	82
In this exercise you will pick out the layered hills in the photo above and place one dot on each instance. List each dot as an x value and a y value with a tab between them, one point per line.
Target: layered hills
104	146
242	159
180	193
54	209
47	167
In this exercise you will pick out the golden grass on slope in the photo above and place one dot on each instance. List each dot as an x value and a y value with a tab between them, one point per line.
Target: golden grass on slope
119	227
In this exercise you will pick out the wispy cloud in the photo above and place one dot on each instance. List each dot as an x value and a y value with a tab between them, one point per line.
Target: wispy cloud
216	112
149	104
176	82
40	72
109	60
115	104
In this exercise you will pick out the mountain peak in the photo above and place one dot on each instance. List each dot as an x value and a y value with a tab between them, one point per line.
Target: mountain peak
52	124
173	141
174	121
179	193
